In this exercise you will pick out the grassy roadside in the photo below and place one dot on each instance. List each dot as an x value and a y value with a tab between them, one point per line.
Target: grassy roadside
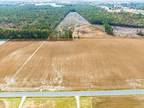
130	101
54	102
135	101
9	102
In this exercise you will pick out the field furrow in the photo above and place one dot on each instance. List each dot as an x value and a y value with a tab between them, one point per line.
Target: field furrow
76	65
14	59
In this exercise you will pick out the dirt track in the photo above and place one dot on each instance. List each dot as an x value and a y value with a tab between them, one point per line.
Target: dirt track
73	65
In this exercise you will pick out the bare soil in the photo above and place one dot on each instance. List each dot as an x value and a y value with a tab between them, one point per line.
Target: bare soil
72	20
127	31
90	31
85	64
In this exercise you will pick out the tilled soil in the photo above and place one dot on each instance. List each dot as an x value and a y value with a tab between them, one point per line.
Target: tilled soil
85	64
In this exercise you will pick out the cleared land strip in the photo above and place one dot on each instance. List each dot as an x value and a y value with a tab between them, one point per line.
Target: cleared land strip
77	101
13	55
72	93
30	57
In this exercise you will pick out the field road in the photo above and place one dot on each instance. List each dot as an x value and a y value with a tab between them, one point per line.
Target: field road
72	93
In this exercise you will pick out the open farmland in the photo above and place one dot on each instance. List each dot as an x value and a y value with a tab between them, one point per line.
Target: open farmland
85	64
113	102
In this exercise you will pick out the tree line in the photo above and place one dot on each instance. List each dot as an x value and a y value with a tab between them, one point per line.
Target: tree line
24	34
40	21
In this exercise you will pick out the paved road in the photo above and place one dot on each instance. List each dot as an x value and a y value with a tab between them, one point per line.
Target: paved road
72	93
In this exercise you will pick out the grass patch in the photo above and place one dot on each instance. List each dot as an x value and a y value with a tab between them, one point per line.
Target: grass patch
9	102
86	102
68	102
113	102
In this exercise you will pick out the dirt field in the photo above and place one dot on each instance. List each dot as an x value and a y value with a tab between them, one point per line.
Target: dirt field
90	31
68	102
85	64
113	102
127	31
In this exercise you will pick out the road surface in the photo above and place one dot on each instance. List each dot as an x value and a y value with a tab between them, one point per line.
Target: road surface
72	93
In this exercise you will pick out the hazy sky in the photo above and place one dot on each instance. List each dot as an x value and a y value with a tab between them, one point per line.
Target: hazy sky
80	0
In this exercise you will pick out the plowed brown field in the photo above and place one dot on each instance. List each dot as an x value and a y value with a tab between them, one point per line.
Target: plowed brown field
86	64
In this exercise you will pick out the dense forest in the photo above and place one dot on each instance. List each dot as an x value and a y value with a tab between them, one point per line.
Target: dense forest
30	21
97	16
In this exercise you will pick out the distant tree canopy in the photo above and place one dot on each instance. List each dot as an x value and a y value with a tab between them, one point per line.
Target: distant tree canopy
65	33
72	10
68	33
108	28
24	34
40	21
